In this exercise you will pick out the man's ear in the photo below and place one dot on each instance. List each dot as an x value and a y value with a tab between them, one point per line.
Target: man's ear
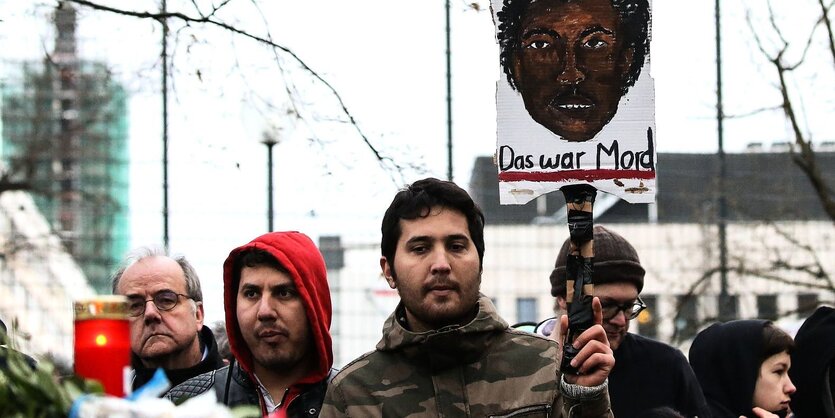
384	265
199	315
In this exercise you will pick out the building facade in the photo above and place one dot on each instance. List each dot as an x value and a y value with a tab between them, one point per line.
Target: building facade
39	280
65	139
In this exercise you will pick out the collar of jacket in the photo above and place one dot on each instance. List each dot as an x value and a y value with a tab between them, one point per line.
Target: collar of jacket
212	361
448	346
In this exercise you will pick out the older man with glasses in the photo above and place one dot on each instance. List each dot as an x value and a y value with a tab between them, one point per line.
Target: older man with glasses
165	309
648	374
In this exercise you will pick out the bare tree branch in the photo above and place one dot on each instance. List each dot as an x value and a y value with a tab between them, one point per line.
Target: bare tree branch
818	270
691	293
385	162
828	24
805	159
753	112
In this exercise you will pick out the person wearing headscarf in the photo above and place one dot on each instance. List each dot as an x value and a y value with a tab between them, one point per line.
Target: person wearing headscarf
743	367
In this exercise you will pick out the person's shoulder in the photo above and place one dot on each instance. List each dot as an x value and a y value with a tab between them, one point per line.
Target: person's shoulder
517	344
196	385
659	350
360	366
527	339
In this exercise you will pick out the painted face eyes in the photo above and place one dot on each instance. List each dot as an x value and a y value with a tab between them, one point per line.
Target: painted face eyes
538	44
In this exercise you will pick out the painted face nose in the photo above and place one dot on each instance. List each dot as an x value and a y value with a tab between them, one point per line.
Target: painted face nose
570	73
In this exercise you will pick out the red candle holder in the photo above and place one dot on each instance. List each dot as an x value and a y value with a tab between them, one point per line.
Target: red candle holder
102	342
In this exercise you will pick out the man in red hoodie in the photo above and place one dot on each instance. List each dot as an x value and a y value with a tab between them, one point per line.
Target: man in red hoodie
278	316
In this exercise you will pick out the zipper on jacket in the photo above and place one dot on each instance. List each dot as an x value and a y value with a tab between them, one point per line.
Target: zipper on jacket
533	410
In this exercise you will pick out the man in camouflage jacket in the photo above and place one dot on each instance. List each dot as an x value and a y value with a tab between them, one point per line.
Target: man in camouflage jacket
445	352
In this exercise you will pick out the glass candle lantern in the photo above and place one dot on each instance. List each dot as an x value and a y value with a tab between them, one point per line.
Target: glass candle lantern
102	342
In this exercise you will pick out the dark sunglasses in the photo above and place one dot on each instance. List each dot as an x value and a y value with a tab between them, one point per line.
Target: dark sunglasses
630	309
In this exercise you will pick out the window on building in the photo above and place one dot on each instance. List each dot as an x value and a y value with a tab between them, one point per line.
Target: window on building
648	319
806	304
767	307
526	310
728	307
687	320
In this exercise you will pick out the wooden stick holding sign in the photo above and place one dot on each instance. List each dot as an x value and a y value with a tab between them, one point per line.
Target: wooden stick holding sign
579	200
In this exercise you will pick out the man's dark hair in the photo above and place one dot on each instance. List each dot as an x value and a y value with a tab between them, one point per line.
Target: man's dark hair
634	29
256	258
775	341
415	201
253	257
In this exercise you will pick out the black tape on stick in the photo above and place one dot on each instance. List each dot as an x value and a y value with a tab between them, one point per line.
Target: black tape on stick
580	225
579	267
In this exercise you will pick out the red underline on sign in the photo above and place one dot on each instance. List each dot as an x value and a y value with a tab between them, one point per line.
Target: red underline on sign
571	175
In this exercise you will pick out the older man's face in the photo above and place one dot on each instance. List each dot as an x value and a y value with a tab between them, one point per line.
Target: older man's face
571	65
166	339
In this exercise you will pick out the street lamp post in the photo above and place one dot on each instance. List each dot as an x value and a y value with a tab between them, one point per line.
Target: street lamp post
269	140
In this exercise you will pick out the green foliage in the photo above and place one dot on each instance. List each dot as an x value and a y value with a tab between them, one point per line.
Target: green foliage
37	392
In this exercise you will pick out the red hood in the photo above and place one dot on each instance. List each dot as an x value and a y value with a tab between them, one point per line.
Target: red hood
297	253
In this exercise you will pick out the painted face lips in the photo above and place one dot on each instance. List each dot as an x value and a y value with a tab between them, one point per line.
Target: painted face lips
573	105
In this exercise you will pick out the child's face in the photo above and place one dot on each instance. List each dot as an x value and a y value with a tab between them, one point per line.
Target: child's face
774	387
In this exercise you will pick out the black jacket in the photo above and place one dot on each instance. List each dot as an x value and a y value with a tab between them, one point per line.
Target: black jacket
812	360
212	361
237	389
649	374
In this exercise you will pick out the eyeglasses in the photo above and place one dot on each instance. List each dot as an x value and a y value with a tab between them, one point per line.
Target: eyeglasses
630	309
164	300
544	328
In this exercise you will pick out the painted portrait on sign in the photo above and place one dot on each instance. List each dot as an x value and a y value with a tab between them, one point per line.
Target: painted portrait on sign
575	101
573	60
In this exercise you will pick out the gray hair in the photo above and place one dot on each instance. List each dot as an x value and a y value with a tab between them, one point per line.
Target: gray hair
192	281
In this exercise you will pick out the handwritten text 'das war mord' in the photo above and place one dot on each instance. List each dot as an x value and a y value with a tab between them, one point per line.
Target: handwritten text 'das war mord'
605	156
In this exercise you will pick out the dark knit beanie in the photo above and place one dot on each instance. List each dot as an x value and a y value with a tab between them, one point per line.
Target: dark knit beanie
615	261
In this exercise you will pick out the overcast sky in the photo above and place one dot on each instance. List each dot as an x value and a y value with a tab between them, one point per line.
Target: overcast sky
386	59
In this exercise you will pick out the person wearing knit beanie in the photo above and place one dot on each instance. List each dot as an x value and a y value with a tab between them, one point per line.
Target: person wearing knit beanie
615	260
648	374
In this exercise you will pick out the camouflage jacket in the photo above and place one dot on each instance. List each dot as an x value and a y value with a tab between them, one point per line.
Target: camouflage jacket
482	369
